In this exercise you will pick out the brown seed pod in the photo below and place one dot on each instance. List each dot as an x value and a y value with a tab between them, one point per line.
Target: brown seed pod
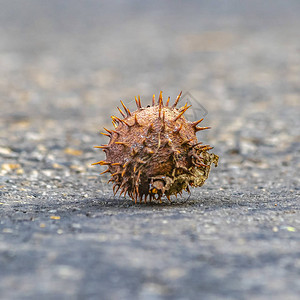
154	151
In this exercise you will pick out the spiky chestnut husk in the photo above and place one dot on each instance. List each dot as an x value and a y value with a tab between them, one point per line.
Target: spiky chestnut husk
154	151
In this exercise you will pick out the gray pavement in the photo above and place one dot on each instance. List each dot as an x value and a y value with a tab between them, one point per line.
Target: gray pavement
64	66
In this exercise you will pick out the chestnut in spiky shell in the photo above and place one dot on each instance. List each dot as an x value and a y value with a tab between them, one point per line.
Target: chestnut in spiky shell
154	151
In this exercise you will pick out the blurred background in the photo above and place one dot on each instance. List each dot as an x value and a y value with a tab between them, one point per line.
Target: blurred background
64	67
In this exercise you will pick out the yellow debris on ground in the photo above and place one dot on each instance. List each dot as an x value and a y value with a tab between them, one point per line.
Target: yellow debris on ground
71	151
10	167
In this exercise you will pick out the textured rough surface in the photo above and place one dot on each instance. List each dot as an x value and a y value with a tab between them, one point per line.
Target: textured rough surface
64	66
154	151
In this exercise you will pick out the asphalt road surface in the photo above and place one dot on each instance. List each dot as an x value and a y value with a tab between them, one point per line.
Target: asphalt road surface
64	66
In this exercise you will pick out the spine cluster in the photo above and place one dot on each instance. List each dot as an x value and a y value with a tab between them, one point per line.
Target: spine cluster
154	151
